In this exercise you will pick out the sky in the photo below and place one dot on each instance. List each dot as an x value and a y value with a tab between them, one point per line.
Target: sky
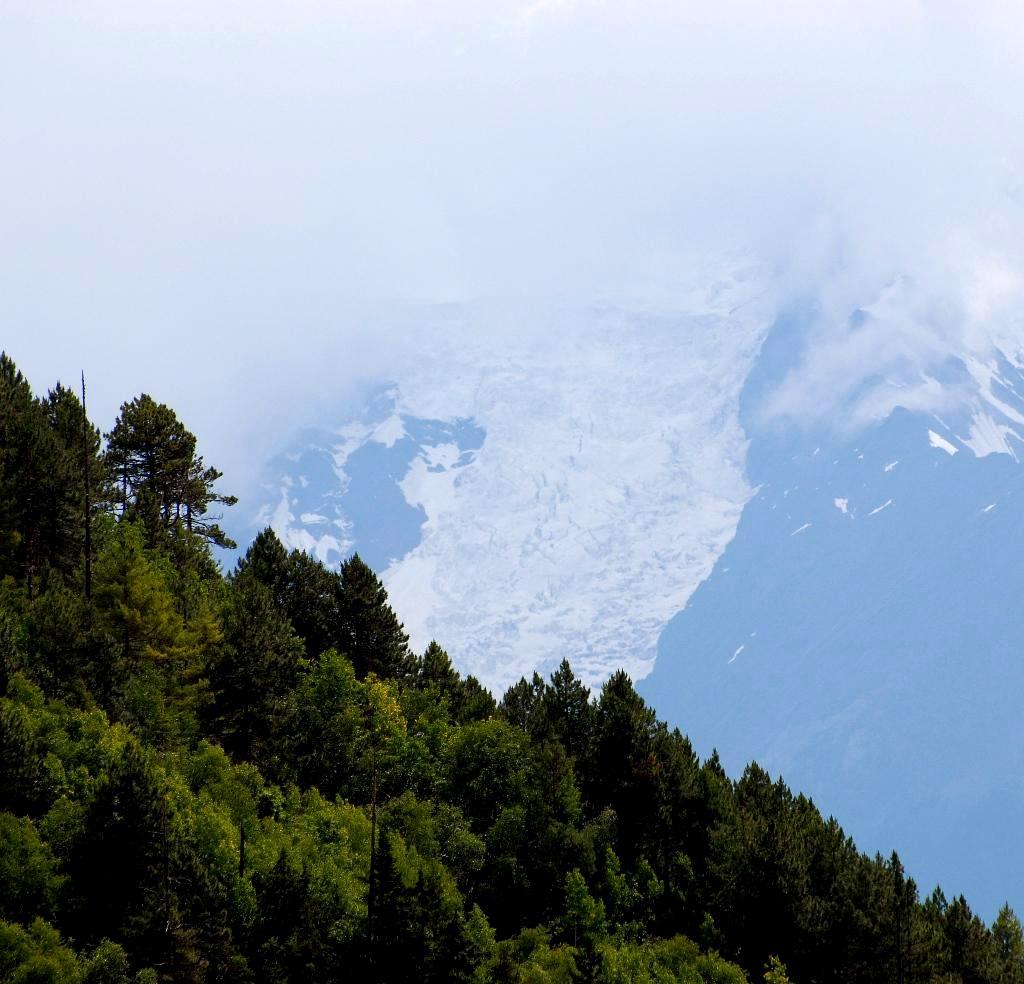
245	208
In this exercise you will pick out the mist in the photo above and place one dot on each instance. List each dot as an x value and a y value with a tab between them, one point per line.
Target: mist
248	210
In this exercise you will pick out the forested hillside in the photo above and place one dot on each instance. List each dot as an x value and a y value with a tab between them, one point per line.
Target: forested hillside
250	777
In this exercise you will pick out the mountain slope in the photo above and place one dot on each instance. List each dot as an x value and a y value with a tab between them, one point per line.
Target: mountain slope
862	634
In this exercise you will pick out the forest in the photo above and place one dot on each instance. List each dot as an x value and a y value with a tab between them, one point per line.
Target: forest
249	776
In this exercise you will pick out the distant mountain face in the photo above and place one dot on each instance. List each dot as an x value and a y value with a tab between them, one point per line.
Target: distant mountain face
558	493
863	632
834	594
337	491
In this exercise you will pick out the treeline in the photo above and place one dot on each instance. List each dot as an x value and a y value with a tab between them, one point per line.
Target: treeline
252	778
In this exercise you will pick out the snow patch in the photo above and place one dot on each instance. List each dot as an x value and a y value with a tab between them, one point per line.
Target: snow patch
987	436
389	431
940	442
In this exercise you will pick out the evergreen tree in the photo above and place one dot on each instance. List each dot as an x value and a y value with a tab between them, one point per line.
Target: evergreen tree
1008	940
58	653
268	562
568	711
435	670
155	680
151	458
22	775
10	646
118	860
38	485
466	699
620	769
253	673
523	705
312	596
373	638
86	495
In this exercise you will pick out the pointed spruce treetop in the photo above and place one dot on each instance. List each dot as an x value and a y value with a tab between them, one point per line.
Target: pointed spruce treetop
374	639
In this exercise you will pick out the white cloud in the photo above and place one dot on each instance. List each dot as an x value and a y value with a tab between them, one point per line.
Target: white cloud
240	207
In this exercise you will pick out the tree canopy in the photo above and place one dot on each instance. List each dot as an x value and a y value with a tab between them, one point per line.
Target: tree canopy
253	778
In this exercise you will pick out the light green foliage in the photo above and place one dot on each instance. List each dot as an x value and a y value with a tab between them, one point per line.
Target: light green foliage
530	958
327	724
775	972
108	964
671	961
486	770
36	955
29	881
133	601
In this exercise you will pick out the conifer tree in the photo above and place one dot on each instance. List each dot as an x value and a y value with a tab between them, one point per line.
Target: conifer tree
467	700
268	562
372	638
312	598
253	672
568	711
1009	946
151	458
523	705
619	770
38	484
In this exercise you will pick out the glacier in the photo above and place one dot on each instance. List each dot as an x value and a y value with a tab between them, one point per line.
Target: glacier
560	496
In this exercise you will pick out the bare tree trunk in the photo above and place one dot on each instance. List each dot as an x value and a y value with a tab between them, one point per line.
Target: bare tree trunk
371	893
87	496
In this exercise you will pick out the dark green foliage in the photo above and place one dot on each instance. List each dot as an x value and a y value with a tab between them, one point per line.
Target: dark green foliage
327	725
421	933
253	672
372	637
568	712
288	939
116	864
621	770
161	481
11	655
22	777
42	501
435	676
523	705
28	871
312	602
252	780
59	652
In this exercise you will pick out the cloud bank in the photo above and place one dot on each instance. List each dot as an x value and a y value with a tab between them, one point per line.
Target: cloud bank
243	209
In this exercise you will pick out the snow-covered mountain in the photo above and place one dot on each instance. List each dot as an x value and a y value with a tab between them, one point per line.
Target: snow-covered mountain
561	494
817	533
